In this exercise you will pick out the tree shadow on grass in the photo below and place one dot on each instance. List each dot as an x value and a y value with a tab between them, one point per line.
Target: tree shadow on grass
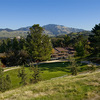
53	67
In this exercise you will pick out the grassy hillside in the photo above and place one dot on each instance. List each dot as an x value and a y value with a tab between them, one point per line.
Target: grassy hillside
81	87
48	71
6	34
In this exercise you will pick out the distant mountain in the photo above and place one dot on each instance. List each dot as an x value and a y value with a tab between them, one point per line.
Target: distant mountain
7	29
50	29
24	29
59	29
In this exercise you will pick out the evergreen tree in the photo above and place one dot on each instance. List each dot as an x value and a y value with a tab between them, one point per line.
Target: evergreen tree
79	47
73	65
8	82
66	40
15	45
22	57
9	44
5	82
38	44
36	74
3	47
22	74
22	44
95	40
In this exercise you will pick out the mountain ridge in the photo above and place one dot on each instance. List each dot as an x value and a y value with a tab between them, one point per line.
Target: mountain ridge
50	29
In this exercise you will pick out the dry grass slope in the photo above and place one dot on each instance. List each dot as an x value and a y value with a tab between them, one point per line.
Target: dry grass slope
81	87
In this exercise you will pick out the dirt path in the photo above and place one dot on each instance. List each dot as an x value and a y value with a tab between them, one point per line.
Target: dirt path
10	69
87	62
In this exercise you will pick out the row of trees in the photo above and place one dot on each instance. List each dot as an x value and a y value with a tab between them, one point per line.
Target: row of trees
83	44
91	45
36	47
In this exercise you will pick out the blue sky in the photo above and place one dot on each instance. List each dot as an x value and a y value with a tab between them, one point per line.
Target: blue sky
82	14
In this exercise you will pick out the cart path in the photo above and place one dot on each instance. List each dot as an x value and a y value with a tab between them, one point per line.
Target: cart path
10	69
87	62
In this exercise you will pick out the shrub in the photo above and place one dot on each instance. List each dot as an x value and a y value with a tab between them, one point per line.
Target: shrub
23	76
36	74
5	82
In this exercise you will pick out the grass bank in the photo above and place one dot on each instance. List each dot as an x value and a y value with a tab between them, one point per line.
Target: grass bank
80	87
48	71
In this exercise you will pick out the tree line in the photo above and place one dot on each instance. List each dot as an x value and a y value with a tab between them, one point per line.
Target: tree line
84	45
35	47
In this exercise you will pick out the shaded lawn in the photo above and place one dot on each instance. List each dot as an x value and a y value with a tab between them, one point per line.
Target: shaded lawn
48	71
54	67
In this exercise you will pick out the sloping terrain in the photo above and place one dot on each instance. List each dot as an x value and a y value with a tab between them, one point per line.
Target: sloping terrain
80	87
50	29
55	30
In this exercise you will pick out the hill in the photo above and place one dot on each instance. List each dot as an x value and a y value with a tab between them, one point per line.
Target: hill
80	87
50	29
55	30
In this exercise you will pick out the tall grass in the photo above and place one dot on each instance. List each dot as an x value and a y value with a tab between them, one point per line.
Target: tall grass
80	87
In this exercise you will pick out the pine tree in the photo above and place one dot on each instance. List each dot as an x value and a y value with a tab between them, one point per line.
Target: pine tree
38	44
36	74
3	47
22	74
73	65
79	47
9	44
22	44
15	45
5	82
8	82
95	40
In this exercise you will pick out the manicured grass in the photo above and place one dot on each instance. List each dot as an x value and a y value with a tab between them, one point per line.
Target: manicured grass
48	71
80	87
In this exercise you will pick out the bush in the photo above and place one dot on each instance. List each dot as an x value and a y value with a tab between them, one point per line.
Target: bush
73	66
36	74
14	58
23	76
5	82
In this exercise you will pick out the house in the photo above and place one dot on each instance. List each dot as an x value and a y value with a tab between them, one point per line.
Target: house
62	53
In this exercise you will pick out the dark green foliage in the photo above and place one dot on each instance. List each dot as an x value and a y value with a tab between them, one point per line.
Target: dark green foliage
66	41
5	82
36	74
22	74
73	66
3	47
16	57
9	44
95	41
11	58
61	41
38	45
15	45
22	44
79	47
57	42
91	67
22	57
8	82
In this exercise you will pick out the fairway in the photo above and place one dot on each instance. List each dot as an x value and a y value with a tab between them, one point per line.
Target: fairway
48	71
